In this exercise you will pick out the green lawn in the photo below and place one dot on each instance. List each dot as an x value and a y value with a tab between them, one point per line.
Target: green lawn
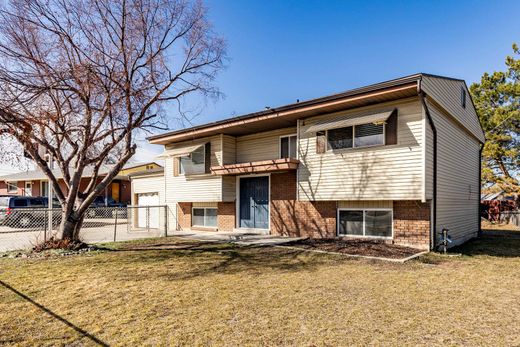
169	292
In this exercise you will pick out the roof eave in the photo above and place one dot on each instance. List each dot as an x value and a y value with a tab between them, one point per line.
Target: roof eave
155	139
198	131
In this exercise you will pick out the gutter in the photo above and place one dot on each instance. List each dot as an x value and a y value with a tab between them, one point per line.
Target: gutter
433	241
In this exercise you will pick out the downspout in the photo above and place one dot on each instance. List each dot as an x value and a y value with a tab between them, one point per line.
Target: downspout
433	242
479	188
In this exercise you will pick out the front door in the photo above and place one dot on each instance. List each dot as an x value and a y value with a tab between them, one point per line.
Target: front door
254	202
115	191
28	189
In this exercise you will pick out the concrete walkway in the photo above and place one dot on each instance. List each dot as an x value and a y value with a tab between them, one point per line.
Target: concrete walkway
237	237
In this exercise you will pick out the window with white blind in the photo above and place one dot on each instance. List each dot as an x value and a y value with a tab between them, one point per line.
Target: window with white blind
363	135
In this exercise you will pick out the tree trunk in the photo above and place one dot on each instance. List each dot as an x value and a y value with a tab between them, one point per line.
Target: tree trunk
70	226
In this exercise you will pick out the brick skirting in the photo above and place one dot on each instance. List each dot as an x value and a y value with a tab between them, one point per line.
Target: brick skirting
412	223
226	216
299	218
184	215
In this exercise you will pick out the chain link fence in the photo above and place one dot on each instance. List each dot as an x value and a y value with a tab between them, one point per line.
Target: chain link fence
22	228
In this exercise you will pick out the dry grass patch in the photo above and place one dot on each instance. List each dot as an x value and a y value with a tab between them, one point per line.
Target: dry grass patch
487	225
156	293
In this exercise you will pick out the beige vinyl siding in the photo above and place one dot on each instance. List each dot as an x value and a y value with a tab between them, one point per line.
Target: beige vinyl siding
393	172
229	188
362	204
229	146
457	178
447	92
148	184
261	146
195	188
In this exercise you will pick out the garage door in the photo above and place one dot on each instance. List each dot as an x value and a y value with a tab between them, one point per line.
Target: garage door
148	217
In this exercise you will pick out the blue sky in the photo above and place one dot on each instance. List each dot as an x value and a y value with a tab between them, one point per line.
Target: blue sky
281	51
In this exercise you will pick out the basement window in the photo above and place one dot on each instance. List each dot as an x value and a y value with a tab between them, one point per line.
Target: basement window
204	217
375	223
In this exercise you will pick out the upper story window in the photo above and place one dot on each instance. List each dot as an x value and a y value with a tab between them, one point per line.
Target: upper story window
288	146
12	187
197	162
363	135
356	131
194	163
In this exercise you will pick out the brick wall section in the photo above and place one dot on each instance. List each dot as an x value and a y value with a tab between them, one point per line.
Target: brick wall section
226	216
412	224
299	218
184	215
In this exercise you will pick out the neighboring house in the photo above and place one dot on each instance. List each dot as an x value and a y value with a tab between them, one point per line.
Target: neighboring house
131	168
396	160
35	183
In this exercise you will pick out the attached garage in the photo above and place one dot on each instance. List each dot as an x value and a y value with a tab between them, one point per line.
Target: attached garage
148	210
148	199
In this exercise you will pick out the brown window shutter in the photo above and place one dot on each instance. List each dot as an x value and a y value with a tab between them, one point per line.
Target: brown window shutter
176	163
391	129
321	142
207	157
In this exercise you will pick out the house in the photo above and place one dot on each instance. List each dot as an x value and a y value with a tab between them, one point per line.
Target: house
35	183
397	161
131	168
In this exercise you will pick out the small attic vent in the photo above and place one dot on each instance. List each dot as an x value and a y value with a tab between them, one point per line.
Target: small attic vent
463	97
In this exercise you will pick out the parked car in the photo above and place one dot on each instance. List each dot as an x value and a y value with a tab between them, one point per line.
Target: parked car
25	211
106	207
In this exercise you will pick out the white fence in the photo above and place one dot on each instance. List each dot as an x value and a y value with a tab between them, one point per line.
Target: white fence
510	217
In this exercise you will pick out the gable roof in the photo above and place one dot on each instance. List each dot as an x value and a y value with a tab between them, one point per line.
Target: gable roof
286	116
447	93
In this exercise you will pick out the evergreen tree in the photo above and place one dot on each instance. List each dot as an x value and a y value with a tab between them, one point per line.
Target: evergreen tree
497	99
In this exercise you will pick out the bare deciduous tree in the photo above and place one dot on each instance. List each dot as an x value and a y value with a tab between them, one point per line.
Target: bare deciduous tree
80	77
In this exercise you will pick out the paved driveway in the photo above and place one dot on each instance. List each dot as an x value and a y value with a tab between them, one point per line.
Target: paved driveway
94	231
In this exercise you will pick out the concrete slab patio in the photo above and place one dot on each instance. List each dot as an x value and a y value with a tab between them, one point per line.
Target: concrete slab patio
237	237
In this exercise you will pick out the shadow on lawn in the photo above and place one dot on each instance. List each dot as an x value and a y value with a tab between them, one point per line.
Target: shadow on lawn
207	258
82	332
494	243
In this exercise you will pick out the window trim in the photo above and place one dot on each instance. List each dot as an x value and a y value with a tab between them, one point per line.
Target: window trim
354	139
364	236
25	189
15	183
289	145
203	208
179	160
42	182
